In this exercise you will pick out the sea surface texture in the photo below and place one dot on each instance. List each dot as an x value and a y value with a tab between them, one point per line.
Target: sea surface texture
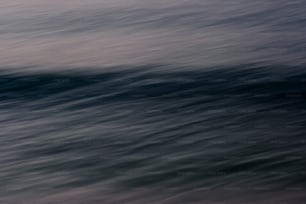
157	102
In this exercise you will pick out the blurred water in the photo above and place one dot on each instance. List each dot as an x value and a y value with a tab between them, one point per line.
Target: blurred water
144	128
132	32
152	102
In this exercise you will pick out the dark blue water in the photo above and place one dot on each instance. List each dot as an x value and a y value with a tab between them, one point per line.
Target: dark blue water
164	101
128	130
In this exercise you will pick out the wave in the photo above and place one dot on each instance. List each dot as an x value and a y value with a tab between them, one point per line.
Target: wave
147	82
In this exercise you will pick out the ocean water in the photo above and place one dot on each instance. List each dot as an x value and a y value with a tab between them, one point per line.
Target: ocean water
152	102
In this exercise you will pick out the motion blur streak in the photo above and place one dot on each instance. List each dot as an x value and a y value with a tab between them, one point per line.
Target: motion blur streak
132	32
137	101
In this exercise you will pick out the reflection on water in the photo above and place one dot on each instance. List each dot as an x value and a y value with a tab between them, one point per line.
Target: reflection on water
95	33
